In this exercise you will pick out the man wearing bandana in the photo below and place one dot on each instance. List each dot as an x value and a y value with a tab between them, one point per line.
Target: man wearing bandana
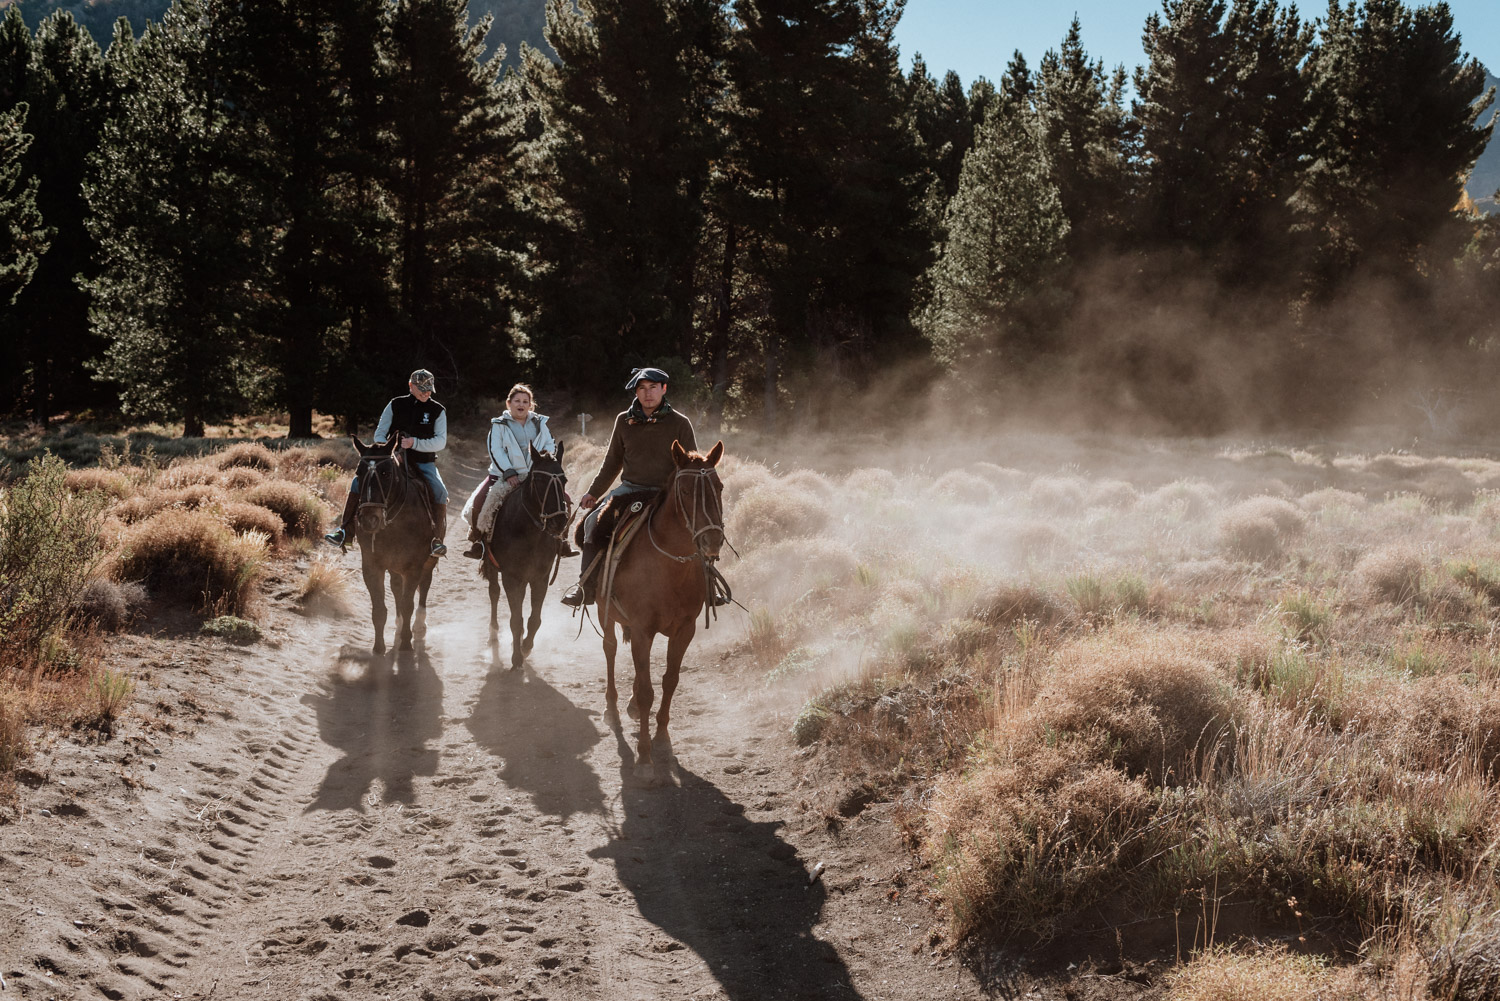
640	453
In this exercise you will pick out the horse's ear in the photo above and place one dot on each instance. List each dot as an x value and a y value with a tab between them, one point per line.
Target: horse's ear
535	455
359	446
715	454
679	454
559	451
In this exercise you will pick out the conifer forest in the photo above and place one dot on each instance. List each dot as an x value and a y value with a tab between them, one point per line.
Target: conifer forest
214	206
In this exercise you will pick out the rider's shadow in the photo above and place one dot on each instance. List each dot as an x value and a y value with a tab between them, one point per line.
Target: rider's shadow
542	740
382	720
728	888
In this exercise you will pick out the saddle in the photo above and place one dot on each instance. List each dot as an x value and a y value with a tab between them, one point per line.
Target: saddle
613	513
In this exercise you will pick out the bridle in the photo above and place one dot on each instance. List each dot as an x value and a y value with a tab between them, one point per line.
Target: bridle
551	500
377	477
704	514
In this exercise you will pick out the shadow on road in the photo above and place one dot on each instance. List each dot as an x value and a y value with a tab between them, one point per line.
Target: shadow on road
725	887
542	739
382	719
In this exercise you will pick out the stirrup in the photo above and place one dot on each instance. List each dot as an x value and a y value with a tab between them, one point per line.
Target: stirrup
438	548
475	550
337	537
576	597
719	600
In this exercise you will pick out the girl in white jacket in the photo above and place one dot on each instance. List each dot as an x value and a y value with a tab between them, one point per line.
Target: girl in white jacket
512	435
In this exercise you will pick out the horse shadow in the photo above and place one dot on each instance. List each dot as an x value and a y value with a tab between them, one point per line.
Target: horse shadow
542	740
728	888
382	719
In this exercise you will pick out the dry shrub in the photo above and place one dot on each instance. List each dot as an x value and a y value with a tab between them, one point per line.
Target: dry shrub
300	460
1257	528
1029	541
1392	573
301	512
193	558
1022	844
1005	479
1011	603
1116	494
325	590
789	569
963	487
146	504
1209	574
739	476
241	478
14	747
774	511
1147	699
872	481
1332	497
814	483
1430	722
1188	499
107	481
1057	494
244	518
108	604
1274	975
193	472
249	455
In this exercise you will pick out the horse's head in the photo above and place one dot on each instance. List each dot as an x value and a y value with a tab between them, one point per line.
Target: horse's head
698	493
379	484
547	489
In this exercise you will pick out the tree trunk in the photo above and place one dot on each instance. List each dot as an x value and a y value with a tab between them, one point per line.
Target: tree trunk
773	346
299	421
723	323
192	425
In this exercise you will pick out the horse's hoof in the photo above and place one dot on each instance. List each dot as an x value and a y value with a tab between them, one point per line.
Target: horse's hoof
632	710
645	770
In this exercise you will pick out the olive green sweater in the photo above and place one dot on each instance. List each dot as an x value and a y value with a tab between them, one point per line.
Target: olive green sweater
642	453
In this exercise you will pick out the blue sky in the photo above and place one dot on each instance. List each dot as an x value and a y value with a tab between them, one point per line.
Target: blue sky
976	37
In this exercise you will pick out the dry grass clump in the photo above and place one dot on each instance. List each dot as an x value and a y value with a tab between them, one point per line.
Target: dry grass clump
193	558
1331	497
14	747
1183	499
107	481
301	512
1030	541
109	605
190	473
1005	479
1010	603
813	483
774	511
249	455
1057	494
148	502
243	518
1430	722
1392	573
1115	494
241	478
325	589
963	487
1274	975
1141	696
872	482
301	460
1257	529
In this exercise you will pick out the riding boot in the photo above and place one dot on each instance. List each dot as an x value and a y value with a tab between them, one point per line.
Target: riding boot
342	534
476	544
581	594
563	549
440	528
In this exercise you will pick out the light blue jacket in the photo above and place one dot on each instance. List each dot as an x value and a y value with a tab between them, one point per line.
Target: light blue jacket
508	441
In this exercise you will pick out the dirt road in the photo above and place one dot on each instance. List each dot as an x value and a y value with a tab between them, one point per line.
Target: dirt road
296	820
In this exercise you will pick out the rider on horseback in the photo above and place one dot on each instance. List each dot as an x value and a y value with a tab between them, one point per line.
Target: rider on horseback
640	453
512	435
415	413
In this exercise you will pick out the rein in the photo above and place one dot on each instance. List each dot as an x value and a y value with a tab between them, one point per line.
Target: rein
701	487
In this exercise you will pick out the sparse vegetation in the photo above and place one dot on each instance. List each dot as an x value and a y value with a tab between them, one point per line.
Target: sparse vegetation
231	628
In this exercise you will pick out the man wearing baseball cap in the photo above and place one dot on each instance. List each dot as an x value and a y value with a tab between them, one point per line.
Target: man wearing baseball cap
423	424
639	452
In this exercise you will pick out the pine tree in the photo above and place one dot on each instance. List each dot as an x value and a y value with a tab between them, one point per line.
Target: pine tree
66	87
1086	137
453	144
181	246
628	146
1006	236
23	239
942	118
1395	131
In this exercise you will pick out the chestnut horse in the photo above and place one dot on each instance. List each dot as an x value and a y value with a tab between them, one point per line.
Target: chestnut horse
394	530
523	548
661	584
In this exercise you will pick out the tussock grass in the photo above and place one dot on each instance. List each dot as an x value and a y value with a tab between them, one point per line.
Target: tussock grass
302	514
192	558
107	481
325	589
244	518
241	478
773	511
249	455
1220	974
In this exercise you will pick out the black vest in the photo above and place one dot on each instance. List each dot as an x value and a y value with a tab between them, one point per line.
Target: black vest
415	419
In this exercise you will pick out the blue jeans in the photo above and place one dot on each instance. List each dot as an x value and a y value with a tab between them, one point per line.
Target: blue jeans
428	472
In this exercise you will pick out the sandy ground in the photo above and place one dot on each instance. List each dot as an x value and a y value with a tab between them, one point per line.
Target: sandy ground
297	820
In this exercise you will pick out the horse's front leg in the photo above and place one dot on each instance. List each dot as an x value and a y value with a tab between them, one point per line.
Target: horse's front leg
494	580
405	593
515	594
677	645
534	620
419	622
375	584
611	644
642	697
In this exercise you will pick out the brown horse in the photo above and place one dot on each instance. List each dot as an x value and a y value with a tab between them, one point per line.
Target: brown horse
661	584
394	529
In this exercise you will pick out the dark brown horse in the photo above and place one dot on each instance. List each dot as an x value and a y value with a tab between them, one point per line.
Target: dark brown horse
394	529
522	548
661	584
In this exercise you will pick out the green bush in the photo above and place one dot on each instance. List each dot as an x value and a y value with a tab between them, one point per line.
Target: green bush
231	628
49	548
